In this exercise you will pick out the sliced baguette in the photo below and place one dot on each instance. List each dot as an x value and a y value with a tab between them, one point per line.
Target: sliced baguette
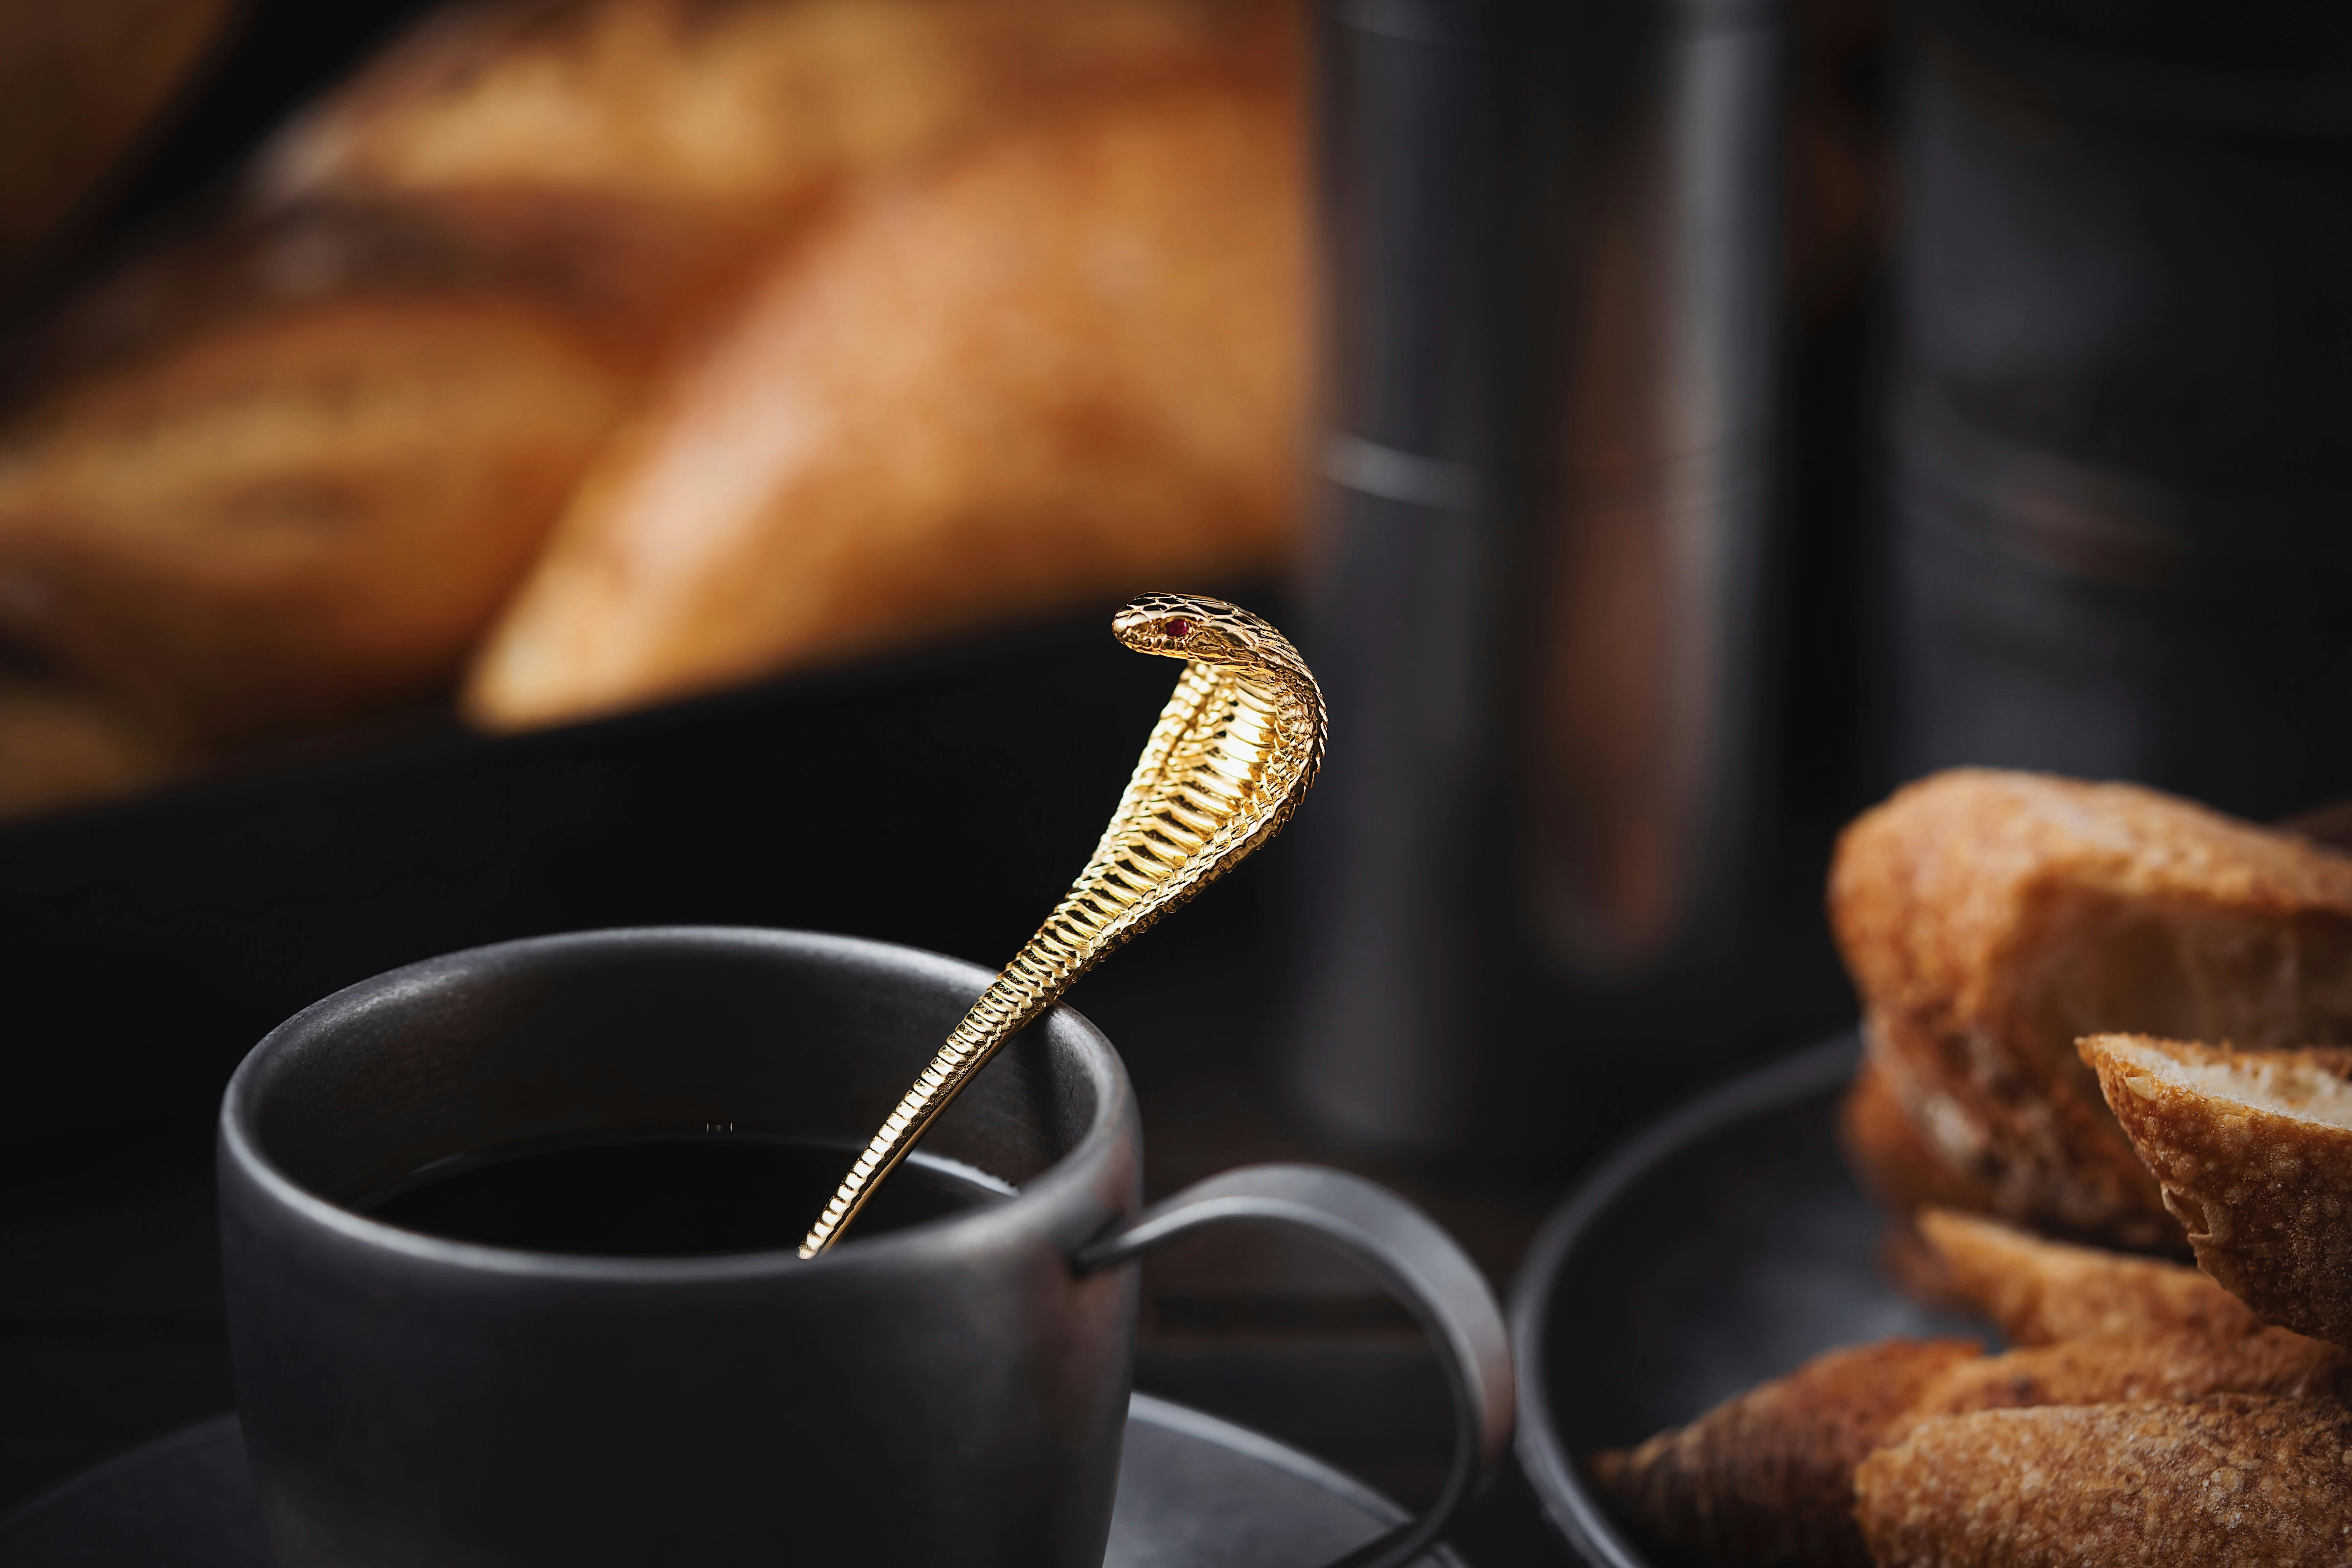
1989	918
2255	1149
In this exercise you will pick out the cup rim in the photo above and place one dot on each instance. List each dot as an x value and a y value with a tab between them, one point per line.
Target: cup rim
1029	1212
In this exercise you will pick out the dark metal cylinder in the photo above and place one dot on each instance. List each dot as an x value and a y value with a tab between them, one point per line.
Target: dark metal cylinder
2119	503
1550	246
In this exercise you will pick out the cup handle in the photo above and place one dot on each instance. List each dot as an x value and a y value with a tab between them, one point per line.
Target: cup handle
1421	1266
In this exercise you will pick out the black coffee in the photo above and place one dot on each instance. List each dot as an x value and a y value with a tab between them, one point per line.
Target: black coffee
663	1194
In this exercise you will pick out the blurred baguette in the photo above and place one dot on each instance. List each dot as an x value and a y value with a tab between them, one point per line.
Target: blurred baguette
286	472
1066	363
1989	919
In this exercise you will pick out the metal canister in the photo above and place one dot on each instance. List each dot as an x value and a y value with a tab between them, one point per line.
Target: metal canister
1539	604
2119	503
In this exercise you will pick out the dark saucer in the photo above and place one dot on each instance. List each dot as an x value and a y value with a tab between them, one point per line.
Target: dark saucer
1719	1248
1192	1490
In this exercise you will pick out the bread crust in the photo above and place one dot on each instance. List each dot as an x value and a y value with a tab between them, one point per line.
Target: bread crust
2226	1481
2255	1150
2039	1291
1989	919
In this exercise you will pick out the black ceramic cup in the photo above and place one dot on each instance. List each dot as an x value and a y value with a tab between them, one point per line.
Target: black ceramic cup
950	1393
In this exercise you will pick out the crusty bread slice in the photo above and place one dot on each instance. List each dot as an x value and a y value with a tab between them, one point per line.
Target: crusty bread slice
1989	918
2227	1481
1766	1479
2255	1149
2039	1292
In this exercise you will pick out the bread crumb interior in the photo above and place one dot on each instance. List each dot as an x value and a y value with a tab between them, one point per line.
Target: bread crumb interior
2284	1088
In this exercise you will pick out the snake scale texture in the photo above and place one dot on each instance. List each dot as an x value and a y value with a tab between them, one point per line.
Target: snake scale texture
1235	750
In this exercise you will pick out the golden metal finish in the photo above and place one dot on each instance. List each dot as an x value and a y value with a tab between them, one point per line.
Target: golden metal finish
1234	751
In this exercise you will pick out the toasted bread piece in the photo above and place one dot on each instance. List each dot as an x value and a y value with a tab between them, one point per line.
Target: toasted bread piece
2111	1367
1989	918
1067	364
1766	1478
2039	1292
2228	1481
2255	1149
288	473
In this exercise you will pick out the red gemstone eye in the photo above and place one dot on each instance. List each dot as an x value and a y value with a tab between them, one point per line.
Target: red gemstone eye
1179	628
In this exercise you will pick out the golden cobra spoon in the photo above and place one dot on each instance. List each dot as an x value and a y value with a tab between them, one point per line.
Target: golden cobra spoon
1234	751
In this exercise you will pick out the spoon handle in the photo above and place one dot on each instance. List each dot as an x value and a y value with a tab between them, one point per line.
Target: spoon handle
1028	985
1234	751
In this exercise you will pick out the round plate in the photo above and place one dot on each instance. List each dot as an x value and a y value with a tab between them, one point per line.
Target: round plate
1718	1249
1192	1491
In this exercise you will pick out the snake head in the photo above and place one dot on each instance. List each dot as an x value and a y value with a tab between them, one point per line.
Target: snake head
1187	625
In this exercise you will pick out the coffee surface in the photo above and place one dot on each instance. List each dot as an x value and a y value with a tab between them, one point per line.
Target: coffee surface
663	1194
